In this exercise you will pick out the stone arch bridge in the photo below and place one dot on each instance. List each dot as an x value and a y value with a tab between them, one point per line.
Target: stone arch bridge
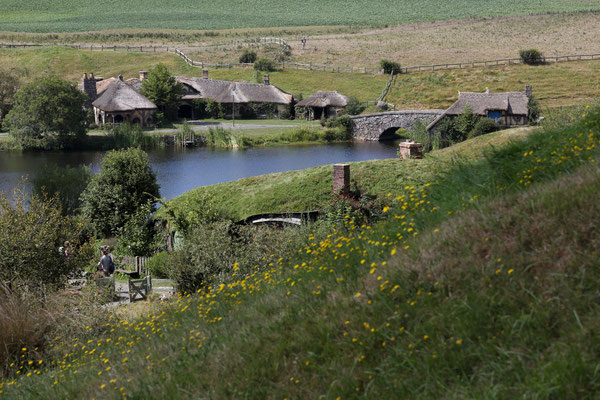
381	126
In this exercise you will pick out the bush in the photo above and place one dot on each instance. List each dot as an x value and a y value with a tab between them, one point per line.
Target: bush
31	231
248	57
390	67
533	111
482	126
344	122
264	64
531	57
354	106
158	265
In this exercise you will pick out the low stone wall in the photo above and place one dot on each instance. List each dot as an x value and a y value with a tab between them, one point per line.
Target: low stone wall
372	126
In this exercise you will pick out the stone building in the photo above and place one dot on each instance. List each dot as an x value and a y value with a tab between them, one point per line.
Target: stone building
507	109
321	105
240	94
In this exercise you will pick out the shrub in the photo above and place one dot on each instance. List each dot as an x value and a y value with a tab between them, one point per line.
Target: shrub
125	182
354	106
264	64
482	126
531	57
31	231
157	265
248	57
390	67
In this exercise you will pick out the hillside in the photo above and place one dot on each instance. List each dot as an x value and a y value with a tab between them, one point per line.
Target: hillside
481	283
554	85
70	16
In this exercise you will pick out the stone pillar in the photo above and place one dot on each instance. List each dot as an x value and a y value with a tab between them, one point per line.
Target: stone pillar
341	179
410	149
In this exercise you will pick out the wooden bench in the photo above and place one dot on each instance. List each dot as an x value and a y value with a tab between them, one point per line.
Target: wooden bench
139	287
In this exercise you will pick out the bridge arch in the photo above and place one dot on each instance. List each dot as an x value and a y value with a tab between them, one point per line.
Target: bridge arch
379	126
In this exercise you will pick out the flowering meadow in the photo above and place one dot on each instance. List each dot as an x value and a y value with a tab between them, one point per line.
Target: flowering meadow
480	283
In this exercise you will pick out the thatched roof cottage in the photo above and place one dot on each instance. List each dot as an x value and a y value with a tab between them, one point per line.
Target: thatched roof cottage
507	109
321	105
119	102
242	94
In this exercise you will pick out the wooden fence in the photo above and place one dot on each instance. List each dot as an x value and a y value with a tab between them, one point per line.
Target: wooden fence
309	66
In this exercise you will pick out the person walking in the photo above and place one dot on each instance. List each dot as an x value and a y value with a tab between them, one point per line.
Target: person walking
106	263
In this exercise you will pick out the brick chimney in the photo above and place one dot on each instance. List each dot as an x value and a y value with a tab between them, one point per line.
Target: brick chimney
267	80
341	179
143	75
89	87
528	91
204	74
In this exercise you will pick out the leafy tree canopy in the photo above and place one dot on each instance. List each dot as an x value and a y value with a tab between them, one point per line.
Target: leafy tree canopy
125	182
162	89
47	112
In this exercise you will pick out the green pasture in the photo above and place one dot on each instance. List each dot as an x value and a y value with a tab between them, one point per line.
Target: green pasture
80	15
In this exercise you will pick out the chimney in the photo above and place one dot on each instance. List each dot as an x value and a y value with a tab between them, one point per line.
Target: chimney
120	77
204	74
267	82
89	87
528	91
143	75
92	76
341	179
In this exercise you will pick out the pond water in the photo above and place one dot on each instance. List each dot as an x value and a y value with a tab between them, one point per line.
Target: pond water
179	170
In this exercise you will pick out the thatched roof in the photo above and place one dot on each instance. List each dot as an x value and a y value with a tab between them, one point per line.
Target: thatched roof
513	103
325	99
228	92
120	97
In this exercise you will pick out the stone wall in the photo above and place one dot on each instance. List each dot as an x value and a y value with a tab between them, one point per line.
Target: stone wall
372	126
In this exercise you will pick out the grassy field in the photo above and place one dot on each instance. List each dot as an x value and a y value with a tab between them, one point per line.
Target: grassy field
65	16
554	84
481	283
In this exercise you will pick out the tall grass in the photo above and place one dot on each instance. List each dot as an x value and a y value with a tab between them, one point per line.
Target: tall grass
125	136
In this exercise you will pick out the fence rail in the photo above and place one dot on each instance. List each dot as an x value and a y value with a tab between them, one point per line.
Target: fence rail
309	66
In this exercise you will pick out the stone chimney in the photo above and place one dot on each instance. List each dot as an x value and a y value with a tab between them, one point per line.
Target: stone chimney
341	179
89	87
120	77
204	74
528	91
143	75
267	80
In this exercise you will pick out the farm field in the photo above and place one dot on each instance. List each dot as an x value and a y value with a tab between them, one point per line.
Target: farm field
554	85
79	15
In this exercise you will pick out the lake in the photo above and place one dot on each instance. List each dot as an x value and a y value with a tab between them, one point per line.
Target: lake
179	170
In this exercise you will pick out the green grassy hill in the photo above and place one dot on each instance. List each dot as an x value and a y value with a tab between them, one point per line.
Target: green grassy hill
70	16
482	282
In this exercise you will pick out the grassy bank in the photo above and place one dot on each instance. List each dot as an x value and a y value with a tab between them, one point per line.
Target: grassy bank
481	283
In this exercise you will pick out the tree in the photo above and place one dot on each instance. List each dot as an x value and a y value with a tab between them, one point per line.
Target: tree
66	183
9	83
48	113
125	182
265	65
163	89
389	67
354	106
531	57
